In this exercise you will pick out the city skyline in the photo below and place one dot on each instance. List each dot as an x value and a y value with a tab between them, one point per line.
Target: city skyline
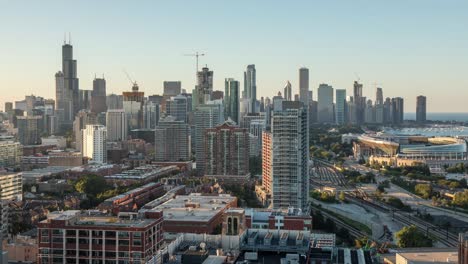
387	52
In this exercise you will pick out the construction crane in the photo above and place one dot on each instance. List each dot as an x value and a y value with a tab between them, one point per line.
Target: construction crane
134	83
196	55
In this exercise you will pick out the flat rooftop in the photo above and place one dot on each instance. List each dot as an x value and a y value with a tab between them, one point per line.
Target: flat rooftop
429	257
194	207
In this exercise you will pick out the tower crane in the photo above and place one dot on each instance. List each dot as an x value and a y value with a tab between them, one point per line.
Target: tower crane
196	55
134	83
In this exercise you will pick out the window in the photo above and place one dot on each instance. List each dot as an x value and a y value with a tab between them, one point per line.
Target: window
137	242
83	233
71	233
44	232
124	234
57	232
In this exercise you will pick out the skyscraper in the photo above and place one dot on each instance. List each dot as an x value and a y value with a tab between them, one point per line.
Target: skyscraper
151	114
397	110
83	118
304	85
204	87
172	140
29	129
114	101
70	80
177	106
379	96
359	102
227	150
172	88
116	123
8	107
84	99
205	116
250	88
231	100
133	106
288	91
94	143
421	109
340	114
98	101
325	104
285	157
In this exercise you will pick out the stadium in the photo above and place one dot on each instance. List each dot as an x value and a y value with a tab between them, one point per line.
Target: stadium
407	150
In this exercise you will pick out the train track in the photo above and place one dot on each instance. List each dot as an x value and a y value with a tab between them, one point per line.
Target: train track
443	236
353	231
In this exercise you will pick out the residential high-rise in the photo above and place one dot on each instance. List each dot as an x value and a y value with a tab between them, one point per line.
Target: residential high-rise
397	110
98	101
205	116
379	96
285	157
8	107
231	100
83	118
304	85
250	88
10	154
94	143
114	101
29	129
172	140
84	99
359	102
11	190
340	106
151	114
172	88
325	104
369	113
133	106
227	150
116	124
421	109
91	237
288	91
202	93
177	106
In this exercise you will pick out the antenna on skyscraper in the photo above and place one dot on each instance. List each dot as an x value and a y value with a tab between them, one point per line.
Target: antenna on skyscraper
64	38
358	78
69	38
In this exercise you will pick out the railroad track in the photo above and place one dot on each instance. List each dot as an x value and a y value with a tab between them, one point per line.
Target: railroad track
340	223
445	237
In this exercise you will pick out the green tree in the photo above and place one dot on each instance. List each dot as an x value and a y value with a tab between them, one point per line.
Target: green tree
410	236
341	196
461	199
91	185
425	190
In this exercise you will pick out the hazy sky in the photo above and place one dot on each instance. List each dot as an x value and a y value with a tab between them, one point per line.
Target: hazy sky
409	47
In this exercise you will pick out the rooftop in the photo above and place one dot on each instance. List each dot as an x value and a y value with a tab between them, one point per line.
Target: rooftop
449	256
194	207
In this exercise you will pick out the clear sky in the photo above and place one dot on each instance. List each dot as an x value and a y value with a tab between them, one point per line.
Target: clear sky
409	47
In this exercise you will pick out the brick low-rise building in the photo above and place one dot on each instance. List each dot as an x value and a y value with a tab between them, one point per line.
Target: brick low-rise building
90	237
290	219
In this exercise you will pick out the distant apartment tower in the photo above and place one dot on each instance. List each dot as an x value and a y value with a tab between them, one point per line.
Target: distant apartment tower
84	99
359	102
340	106
94	143
325	104
29	129
397	110
232	100
421	109
8	107
172	140
116	123
227	150
250	88
304	86
205	116
11	190
83	118
133	106
151	114
202	93
288	91
379	96
177	106
98	101
114	101
10	154
172	88
285	158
